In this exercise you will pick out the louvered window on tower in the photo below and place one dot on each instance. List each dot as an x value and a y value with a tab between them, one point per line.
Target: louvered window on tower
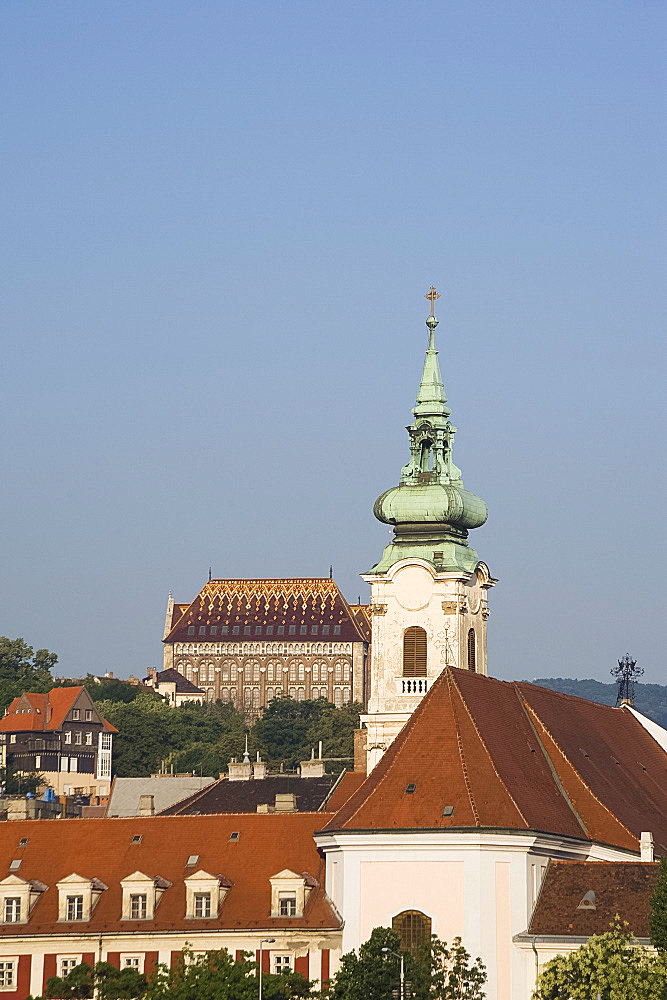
414	652
472	663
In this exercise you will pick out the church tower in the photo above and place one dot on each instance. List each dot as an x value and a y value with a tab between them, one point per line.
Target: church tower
429	590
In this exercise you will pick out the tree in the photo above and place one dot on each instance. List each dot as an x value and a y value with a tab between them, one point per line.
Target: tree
371	974
289	729
217	976
445	972
103	980
15	782
435	972
612	965
23	670
658	919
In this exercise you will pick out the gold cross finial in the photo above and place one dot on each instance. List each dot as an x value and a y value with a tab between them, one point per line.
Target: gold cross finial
432	295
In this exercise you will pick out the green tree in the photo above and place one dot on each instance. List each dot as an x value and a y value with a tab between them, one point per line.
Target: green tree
103	981
371	974
21	669
17	783
658	919
612	965
289	729
445	972
218	976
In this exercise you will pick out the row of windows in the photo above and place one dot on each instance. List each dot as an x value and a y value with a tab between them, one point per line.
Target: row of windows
87	714
251	696
247	647
296	671
264	630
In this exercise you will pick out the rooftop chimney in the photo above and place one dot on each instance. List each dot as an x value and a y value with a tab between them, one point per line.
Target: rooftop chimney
646	846
147	805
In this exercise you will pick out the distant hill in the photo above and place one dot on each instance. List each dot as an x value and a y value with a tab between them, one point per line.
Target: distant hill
650	699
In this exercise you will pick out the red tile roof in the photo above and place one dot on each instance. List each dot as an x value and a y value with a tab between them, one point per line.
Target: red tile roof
258	603
624	888
506	755
103	849
349	783
43	712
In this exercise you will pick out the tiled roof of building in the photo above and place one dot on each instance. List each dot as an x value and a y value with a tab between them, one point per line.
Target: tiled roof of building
108	850
313	607
171	676
166	789
225	796
362	614
619	887
42	712
512	755
347	786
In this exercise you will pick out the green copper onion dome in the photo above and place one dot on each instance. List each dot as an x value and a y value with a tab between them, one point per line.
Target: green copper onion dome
430	510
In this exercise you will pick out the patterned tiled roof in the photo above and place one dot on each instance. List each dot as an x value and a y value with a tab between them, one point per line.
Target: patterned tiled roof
104	849
305	609
515	756
622	888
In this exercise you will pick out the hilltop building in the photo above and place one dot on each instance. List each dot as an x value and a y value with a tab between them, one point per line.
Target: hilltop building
249	641
62	736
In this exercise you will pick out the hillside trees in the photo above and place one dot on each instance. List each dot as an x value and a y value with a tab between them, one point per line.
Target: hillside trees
658	918
22	669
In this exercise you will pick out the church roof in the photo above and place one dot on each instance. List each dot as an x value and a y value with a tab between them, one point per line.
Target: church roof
480	752
244	609
580	898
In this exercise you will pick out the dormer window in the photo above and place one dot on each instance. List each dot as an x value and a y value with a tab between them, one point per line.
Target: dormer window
78	897
205	894
17	898
289	893
141	895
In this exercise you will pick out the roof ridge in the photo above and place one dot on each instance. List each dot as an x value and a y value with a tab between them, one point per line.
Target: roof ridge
459	743
559	784
193	796
488	752
531	711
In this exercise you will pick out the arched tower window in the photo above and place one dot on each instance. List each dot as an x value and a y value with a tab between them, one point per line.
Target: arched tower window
413	928
414	652
472	662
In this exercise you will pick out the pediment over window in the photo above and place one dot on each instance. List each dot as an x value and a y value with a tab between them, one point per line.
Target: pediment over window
205	894
17	898
290	892
141	895
78	896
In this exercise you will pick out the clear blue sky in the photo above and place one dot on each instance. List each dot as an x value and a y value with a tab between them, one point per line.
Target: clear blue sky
219	222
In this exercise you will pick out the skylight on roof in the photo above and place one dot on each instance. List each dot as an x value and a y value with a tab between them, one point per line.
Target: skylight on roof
15	865
588	901
192	861
235	835
448	811
23	842
409	790
136	839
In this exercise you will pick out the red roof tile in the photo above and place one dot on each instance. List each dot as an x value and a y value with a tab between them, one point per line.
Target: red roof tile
506	755
43	712
624	888
103	849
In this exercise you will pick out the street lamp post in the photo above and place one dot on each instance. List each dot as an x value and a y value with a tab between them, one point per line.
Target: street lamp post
262	942
388	951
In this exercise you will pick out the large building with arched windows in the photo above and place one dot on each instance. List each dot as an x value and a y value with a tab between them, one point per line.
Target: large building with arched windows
250	641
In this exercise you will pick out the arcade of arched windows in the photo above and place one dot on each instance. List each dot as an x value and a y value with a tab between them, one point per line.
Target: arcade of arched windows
251	682
245	649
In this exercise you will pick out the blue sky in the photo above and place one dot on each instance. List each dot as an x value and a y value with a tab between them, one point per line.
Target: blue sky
219	222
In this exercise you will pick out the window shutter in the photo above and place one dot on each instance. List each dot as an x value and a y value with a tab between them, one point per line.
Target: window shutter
414	652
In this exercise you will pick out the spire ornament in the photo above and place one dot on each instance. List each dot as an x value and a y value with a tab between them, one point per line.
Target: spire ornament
432	295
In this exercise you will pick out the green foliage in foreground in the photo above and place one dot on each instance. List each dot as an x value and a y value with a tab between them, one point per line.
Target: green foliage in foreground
658	920
435	972
612	965
212	976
